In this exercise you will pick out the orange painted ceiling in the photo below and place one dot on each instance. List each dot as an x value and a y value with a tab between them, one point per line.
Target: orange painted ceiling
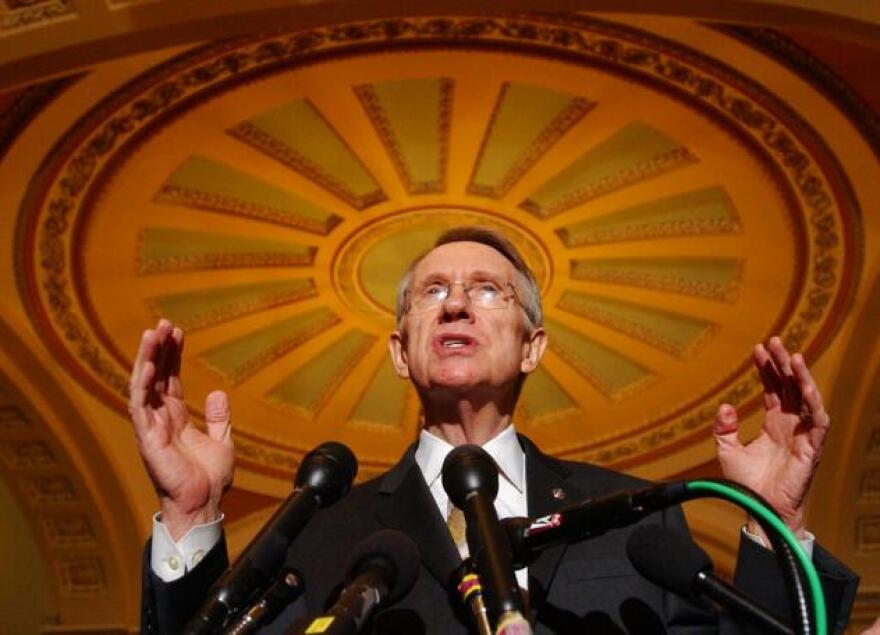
683	190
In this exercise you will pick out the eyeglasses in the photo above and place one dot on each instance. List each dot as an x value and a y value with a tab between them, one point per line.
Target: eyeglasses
486	294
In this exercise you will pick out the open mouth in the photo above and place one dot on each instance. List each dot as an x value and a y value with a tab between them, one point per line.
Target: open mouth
455	342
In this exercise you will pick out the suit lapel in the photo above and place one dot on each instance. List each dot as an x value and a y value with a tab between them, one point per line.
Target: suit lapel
548	492
406	504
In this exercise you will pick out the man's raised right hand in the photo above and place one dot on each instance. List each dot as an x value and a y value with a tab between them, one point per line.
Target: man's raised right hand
190	470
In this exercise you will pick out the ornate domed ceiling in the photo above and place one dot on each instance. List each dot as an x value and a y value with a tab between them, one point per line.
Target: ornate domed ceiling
267	193
682	190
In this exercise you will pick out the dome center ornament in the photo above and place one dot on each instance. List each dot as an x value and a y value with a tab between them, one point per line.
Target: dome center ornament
369	263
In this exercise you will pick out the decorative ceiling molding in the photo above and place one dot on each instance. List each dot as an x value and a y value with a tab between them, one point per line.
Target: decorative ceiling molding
814	71
18	15
56	500
27	104
795	168
122	223
79	526
122	27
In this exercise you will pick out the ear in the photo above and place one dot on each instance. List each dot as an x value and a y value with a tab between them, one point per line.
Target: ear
397	348
533	350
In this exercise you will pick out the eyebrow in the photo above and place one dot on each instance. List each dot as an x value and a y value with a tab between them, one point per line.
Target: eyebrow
474	275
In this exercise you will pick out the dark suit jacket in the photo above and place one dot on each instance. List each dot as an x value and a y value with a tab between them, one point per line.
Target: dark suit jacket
589	587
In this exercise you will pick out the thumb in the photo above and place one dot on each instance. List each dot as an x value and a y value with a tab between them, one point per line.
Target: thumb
217	417
726	429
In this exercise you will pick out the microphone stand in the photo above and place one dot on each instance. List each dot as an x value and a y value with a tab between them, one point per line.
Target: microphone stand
470	478
467	583
728	596
288	586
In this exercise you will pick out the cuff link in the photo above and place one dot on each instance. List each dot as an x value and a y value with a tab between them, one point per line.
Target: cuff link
197	557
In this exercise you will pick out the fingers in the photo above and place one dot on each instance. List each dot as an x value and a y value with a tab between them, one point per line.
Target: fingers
142	375
782	387
769	377
175	355
780	354
790	389
165	354
146	354
150	372
813	412
809	391
726	429
217	417
796	391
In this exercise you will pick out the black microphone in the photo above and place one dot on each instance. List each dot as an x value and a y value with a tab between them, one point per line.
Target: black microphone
381	570
288	586
324	476
587	519
671	560
470	478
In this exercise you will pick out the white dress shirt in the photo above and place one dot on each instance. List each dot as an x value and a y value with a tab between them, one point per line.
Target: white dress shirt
169	559
511	461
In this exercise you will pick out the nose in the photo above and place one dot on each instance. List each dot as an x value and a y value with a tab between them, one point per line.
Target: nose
457	305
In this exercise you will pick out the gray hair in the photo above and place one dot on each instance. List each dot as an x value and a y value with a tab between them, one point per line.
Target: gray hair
527	289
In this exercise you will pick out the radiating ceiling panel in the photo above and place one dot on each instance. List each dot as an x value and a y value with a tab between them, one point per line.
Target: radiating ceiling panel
385	401
300	137
714	278
672	332
542	399
193	310
611	372
311	386
631	155
412	118
206	184
165	249
704	212
241	357
526	122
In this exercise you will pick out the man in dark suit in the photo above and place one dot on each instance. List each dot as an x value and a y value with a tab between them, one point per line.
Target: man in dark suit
469	332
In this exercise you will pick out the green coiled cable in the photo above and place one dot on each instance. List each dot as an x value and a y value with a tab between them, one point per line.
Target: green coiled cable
762	512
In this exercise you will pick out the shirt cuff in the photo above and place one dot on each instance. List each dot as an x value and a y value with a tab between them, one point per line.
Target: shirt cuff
808	542
170	560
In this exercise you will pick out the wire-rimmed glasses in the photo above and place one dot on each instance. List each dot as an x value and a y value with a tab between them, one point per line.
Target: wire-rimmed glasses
486	294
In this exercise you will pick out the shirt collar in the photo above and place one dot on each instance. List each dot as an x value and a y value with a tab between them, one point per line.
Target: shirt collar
509	456
504	448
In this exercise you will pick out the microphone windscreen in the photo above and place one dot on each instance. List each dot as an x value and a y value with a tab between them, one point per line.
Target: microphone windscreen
667	558
394	550
342	454
467	469
329	470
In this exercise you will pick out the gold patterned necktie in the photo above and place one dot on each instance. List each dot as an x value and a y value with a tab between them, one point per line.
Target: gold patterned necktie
457	528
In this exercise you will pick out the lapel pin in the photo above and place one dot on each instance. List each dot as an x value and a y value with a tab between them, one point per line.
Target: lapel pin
558	493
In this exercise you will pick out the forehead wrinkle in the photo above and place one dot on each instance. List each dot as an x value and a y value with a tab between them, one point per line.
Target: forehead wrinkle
446	269
473	275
